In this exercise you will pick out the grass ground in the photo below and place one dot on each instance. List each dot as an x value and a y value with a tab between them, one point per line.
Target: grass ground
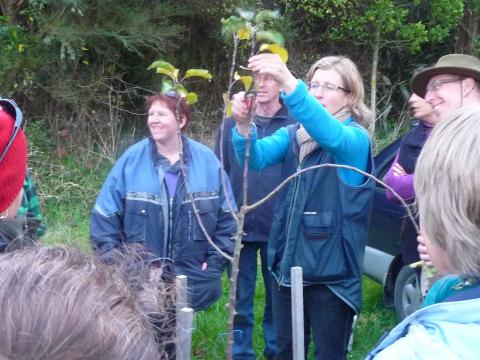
209	337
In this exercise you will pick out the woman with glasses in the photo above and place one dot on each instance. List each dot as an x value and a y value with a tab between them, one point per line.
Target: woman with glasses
13	168
145	200
321	219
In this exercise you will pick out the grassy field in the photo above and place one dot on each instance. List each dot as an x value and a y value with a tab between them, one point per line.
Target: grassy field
209	337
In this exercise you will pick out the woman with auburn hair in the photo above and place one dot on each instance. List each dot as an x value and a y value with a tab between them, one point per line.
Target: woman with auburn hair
145	201
58	303
321	217
447	187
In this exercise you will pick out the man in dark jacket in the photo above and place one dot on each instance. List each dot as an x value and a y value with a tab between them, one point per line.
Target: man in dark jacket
270	115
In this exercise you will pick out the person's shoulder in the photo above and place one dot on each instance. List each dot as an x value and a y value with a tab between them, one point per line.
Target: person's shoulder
357	127
284	115
134	152
139	146
199	148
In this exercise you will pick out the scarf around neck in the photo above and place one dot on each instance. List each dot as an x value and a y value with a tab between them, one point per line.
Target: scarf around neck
307	143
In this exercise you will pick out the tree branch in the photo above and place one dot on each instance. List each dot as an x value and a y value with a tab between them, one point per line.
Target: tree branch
279	187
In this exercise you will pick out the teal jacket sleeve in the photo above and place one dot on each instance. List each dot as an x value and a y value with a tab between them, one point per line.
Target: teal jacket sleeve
349	145
265	152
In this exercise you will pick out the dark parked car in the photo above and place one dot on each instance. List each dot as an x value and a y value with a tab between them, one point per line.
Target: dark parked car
383	262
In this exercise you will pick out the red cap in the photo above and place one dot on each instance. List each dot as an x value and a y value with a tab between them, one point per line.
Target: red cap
13	167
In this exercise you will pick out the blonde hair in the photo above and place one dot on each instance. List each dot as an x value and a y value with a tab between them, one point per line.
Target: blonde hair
58	303
447	187
352	81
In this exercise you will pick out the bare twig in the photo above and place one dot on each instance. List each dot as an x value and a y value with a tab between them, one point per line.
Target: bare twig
241	218
279	187
187	187
231	208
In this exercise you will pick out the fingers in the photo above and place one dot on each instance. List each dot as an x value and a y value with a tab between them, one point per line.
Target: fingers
398	170
423	252
260	62
269	64
240	108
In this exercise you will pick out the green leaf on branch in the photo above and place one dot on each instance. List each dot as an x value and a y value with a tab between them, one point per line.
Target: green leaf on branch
275	49
247	80
170	74
266	15
166	86
191	98
202	73
231	26
165	68
244	33
245	14
228	105
271	36
161	64
181	90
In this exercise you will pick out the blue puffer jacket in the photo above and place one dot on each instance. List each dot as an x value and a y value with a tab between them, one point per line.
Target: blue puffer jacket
134	207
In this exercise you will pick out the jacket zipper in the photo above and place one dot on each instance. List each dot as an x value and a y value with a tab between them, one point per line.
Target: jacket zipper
289	218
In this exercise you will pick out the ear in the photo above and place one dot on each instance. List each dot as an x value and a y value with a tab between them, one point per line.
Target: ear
468	85
348	99
183	122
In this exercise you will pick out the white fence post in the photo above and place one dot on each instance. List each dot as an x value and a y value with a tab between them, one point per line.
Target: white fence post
297	313
184	334
184	320
181	297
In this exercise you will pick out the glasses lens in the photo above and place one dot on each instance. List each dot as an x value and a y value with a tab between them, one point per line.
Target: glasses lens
11	107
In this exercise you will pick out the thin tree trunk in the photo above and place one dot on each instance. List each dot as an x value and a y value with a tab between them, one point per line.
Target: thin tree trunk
373	80
468	37
233	282
474	38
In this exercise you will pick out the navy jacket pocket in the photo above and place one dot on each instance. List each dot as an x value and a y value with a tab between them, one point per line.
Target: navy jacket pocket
135	221
322	260
318	225
208	211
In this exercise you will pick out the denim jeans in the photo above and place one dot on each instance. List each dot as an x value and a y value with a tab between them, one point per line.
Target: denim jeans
326	316
244	320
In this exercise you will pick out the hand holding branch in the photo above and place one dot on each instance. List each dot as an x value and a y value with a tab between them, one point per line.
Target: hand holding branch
272	64
241	107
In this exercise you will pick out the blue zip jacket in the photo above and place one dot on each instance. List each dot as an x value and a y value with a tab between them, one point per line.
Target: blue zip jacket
321	219
260	183
134	207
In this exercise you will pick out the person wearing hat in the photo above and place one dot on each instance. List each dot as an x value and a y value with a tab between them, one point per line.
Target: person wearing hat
447	186
13	169
453	82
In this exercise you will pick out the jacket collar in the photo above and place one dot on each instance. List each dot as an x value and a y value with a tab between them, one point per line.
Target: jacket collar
157	157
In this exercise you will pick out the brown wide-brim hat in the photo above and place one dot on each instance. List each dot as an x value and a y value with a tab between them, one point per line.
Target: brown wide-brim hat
455	64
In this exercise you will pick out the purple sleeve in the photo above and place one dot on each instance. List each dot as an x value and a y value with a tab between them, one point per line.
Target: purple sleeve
403	185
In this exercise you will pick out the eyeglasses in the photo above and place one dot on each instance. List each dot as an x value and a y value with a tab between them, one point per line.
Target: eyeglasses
11	107
328	87
435	85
